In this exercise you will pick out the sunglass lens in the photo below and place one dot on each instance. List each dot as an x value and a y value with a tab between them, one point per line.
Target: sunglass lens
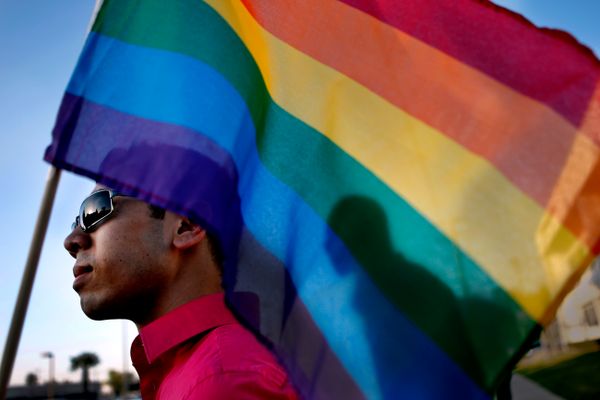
96	207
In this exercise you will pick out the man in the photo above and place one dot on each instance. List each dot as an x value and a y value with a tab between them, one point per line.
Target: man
161	271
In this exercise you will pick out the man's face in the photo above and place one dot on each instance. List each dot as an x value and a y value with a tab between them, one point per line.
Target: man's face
121	267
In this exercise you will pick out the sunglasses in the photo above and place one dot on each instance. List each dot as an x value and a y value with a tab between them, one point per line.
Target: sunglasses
96	208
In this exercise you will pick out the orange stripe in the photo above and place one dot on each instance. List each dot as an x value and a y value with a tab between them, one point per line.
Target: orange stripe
526	140
575	198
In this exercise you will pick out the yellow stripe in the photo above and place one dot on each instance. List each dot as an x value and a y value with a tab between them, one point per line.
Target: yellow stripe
462	194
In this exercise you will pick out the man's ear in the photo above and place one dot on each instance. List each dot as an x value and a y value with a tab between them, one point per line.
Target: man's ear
188	234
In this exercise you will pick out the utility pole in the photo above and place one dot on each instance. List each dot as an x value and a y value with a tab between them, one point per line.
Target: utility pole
125	387
50	356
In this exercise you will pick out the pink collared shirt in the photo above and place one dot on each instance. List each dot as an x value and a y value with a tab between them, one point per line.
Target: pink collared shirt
200	351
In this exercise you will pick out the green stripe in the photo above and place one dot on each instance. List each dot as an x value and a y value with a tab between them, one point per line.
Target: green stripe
419	270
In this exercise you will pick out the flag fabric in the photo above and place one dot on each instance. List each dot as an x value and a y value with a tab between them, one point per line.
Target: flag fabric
404	190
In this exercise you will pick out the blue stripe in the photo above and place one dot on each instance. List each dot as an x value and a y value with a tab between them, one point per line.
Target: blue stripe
384	352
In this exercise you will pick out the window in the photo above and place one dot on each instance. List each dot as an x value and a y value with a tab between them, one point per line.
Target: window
590	314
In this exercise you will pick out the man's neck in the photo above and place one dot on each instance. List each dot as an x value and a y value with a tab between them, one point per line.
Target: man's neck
178	299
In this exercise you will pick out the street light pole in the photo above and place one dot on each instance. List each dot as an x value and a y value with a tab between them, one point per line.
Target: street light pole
125	382
50	356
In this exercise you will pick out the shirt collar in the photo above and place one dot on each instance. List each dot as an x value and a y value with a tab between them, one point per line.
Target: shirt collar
183	323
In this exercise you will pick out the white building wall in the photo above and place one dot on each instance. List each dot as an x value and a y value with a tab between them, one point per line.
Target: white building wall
578	318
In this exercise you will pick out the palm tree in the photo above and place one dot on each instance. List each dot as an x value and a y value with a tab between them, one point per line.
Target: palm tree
84	361
31	379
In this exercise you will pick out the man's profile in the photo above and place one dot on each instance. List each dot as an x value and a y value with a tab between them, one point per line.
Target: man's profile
163	272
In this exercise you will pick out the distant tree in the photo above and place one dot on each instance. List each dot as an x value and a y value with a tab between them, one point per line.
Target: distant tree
115	381
31	379
84	361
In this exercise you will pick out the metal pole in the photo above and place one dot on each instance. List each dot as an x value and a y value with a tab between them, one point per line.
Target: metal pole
125	379
50	356
51	384
16	324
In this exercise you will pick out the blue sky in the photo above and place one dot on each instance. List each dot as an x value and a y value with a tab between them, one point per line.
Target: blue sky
40	42
39	45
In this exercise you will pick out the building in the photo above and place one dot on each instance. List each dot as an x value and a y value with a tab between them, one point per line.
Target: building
58	391
576	328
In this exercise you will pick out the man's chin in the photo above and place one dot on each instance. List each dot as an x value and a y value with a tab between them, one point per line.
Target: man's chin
98	311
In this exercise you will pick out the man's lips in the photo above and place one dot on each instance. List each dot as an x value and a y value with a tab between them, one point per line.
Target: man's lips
81	269
81	274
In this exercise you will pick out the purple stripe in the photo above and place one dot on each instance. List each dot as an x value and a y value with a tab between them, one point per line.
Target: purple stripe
131	155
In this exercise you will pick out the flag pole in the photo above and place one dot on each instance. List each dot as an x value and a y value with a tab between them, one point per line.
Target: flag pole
35	249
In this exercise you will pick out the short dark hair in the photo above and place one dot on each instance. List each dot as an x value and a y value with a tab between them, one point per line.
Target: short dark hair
213	244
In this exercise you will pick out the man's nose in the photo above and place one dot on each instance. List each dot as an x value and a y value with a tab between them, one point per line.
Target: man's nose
77	240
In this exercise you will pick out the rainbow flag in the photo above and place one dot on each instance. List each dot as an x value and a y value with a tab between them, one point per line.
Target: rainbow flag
404	190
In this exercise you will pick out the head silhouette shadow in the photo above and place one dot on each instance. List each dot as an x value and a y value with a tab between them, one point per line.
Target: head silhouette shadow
411	288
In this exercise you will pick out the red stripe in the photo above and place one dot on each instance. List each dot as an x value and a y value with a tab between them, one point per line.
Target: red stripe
547	65
524	139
